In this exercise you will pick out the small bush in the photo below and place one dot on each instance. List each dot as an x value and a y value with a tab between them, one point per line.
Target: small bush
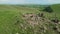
48	9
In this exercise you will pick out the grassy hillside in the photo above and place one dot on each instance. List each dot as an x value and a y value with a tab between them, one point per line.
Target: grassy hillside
56	9
12	14
7	19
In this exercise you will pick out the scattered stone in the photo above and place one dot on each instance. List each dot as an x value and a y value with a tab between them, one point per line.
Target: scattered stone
40	14
39	20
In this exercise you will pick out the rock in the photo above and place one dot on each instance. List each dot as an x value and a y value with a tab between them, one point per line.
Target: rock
17	33
58	22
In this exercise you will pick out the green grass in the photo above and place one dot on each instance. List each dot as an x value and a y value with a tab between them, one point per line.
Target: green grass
6	22
56	9
7	19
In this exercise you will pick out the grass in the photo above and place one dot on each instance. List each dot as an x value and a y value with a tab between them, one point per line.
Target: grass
7	19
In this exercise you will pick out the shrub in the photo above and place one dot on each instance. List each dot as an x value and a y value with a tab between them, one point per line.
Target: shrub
48	9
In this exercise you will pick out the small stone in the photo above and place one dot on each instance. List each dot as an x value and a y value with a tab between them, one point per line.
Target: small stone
17	33
59	22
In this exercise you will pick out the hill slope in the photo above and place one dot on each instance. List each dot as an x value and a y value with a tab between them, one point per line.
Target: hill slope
11	21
